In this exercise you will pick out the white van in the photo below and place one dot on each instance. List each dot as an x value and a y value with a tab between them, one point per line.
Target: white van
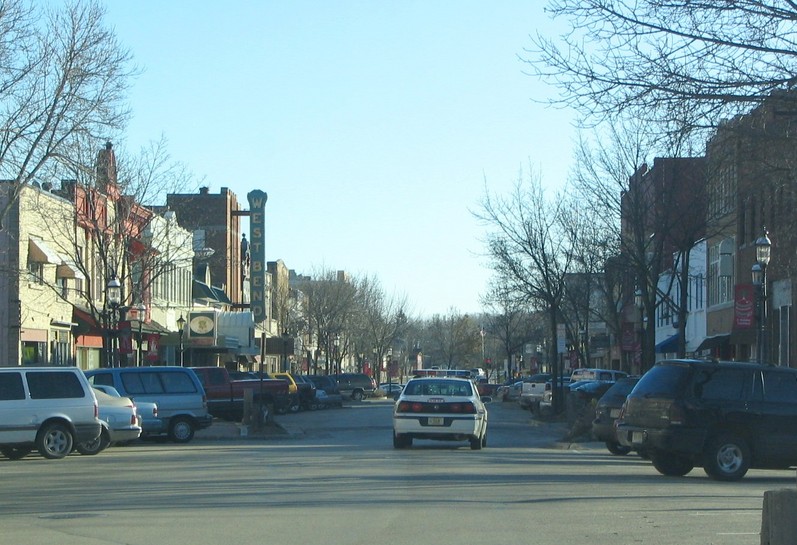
182	403
51	409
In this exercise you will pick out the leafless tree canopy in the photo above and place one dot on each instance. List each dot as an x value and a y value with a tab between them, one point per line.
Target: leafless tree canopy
681	63
63	79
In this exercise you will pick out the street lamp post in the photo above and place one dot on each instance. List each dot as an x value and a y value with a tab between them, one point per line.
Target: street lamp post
113	298
336	342
389	374
763	249
285	338
141	309
639	302
180	330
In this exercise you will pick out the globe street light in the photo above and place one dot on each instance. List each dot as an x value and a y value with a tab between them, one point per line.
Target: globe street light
763	251
141	310
113	298
180	330
389	374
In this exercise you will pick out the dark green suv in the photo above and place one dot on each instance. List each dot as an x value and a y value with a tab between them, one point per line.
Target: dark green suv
356	386
727	417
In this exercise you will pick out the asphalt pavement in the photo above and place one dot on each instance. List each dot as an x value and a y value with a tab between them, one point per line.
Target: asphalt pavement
282	428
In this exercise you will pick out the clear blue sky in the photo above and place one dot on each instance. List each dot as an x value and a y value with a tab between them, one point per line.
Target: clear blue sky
372	125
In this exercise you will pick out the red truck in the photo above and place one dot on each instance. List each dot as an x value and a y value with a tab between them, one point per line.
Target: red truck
226	395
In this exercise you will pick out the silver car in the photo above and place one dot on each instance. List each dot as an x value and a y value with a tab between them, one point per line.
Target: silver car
147	412
120	423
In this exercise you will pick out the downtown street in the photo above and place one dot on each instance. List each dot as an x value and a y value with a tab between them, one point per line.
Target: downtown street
337	479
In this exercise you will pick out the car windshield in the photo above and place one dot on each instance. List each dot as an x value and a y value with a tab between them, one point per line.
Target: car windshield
438	387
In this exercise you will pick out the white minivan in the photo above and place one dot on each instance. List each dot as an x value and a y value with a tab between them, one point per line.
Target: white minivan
52	409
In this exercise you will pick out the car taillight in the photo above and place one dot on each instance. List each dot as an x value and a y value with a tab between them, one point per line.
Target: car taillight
464	408
676	414
96	410
409	407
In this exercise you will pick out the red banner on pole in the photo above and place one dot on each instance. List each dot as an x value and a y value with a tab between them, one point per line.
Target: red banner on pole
152	346
744	306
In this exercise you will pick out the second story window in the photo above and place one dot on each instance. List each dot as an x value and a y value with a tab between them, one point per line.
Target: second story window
36	271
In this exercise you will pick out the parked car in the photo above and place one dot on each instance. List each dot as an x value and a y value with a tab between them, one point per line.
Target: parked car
327	385
610	375
301	391
444	409
181	399
608	410
147	412
356	386
120	423
391	389
726	416
51	409
487	388
511	392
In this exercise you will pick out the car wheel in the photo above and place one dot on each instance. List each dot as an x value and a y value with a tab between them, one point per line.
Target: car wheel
295	406
475	443
54	441
727	458
670	464
181	430
15	453
91	448
357	395
484	440
617	449
401	441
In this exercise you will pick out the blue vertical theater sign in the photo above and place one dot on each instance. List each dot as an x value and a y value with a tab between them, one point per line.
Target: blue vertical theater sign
257	248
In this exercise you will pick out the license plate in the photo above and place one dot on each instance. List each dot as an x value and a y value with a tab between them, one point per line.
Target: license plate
637	437
614	413
435	421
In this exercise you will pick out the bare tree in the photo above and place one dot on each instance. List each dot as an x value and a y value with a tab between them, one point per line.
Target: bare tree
681	64
531	251
510	321
657	210
380	321
453	341
330	300
63	79
588	298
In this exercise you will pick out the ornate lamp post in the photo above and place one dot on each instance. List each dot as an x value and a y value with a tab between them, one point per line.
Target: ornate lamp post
336	342
180	331
141	310
763	249
639	302
113	298
389	374
285	338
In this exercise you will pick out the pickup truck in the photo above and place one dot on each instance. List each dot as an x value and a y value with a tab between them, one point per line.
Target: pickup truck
532	390
226	396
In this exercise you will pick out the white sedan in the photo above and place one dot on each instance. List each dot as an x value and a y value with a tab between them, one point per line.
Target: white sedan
444	409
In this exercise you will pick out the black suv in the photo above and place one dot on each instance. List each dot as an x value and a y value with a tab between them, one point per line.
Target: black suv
725	416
